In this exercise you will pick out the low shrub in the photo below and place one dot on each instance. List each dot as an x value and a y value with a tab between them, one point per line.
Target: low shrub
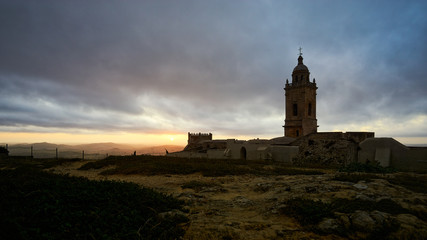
307	211
351	205
157	165
370	167
41	205
198	185
413	182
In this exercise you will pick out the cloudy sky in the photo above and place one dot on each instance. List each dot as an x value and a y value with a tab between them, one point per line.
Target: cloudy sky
149	71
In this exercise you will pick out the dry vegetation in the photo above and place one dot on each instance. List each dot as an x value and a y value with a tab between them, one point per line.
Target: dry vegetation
157	165
262	200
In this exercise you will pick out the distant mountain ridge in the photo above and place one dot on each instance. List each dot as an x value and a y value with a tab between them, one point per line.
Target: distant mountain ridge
92	150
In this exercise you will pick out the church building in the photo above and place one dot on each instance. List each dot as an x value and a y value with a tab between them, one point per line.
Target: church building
302	142
300	119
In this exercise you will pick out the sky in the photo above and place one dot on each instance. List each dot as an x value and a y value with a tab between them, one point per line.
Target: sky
148	72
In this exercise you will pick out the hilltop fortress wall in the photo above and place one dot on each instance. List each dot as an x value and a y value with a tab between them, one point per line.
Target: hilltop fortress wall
322	148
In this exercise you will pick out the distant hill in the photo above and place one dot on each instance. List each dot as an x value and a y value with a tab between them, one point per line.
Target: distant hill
91	151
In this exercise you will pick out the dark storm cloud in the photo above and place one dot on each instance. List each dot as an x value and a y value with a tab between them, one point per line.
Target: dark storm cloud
216	65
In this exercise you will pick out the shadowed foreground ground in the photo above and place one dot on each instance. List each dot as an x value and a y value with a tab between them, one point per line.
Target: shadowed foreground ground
271	203
266	200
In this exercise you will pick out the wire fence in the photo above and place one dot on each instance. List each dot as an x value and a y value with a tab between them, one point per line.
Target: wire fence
55	152
31	151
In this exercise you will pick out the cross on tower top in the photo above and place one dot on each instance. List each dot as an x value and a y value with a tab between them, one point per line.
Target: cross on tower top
300	51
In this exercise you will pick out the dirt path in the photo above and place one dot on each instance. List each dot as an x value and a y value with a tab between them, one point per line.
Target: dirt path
247	207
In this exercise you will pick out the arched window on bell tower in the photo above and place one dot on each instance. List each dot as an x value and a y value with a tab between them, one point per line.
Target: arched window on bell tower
295	109
309	109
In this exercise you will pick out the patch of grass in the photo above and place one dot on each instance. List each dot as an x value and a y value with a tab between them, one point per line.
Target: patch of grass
157	165
198	185
41	205
370	167
99	164
355	177
286	170
416	183
35	163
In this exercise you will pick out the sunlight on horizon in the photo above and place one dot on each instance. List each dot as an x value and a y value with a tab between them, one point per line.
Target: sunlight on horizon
148	139
75	139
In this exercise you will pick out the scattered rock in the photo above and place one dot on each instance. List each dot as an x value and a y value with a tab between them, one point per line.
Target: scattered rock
409	220
345	221
311	190
362	221
278	208
213	189
189	195
330	188
328	225
379	217
242	201
410	227
263	187
231	224
364	197
360	186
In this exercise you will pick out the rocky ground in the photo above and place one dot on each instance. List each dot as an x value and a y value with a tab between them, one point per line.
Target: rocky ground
254	207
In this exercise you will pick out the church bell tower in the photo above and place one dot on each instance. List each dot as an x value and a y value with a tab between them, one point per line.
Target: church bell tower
300	95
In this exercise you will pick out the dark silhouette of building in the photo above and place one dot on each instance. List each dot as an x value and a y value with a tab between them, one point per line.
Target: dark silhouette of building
300	119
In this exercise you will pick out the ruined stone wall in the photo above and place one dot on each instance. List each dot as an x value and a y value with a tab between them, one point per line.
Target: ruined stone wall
329	148
332	152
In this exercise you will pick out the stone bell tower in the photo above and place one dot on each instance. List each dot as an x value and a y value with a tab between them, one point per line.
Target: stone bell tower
300	102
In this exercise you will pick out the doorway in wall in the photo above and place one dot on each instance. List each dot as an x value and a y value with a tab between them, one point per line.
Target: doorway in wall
243	153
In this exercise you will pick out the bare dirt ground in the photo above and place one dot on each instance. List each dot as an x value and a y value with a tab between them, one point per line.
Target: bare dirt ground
248	207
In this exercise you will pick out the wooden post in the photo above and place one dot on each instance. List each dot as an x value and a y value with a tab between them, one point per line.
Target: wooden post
83	155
